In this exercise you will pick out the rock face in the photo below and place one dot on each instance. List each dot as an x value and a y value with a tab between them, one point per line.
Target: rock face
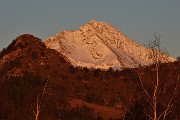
99	45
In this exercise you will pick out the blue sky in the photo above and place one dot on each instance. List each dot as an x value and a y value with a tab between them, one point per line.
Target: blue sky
138	19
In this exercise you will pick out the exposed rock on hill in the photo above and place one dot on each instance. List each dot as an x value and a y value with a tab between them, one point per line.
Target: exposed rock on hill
99	45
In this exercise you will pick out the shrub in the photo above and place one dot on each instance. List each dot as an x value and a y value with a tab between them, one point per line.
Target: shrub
34	55
71	69
97	73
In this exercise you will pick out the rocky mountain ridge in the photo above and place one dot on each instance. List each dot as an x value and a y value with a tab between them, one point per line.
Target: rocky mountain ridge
99	45
29	54
73	93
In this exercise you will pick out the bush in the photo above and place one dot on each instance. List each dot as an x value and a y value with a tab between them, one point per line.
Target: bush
89	98
34	55
64	76
77	113
72	70
97	73
86	70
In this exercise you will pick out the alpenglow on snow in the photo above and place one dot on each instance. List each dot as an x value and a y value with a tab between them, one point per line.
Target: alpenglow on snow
99	45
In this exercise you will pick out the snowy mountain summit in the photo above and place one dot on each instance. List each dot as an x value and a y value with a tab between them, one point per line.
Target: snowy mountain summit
99	45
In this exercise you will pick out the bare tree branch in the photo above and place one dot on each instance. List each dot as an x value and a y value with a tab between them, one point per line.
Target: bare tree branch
154	99
39	107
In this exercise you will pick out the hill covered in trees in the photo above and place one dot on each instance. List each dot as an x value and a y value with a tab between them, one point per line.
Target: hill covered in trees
32	75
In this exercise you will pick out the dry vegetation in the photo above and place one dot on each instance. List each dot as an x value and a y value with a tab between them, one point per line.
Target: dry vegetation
34	76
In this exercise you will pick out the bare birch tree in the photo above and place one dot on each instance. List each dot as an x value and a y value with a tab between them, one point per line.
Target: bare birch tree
153	97
38	105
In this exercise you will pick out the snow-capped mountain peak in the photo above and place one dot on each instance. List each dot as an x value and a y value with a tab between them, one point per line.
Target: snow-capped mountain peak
99	45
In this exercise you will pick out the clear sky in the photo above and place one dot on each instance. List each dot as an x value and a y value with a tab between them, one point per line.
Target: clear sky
138	19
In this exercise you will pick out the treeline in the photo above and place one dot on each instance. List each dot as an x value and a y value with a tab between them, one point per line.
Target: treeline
118	89
18	97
